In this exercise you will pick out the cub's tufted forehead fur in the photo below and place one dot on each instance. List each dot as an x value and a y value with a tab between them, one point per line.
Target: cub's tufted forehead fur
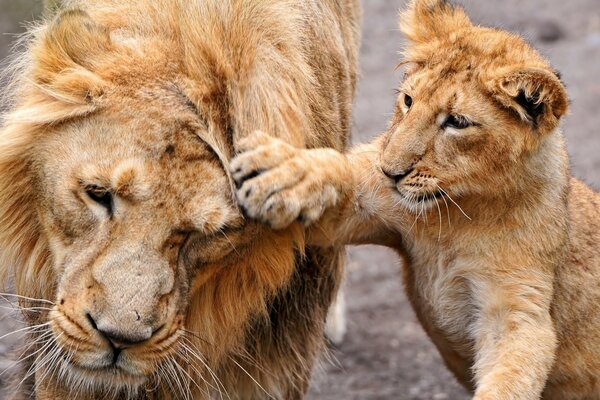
442	40
116	204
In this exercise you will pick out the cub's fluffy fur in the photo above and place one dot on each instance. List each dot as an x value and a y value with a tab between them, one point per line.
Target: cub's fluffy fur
117	213
471	186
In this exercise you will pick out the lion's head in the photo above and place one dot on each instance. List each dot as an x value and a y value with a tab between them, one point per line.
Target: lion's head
475	104
116	207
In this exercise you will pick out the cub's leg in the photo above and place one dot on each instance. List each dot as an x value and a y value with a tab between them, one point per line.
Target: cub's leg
343	199
515	341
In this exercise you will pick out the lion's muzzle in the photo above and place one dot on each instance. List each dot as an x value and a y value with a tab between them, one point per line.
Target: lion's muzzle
121	314
128	305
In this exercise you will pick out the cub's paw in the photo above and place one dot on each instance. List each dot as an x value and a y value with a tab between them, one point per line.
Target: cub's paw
278	184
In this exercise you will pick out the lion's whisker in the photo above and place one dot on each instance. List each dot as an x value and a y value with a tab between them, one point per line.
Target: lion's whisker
252	361
35	366
188	352
252	378
46	366
15	307
25	329
186	387
156	377
173	376
230	242
214	377
52	363
195	370
64	363
4	295
40	341
192	380
417	214
189	347
163	373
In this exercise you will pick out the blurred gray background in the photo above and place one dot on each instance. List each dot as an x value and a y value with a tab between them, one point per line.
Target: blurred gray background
386	355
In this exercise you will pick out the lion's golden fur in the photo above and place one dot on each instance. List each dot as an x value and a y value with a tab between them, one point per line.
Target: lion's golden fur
281	66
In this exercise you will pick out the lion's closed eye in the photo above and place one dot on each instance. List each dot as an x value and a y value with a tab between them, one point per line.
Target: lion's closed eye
100	196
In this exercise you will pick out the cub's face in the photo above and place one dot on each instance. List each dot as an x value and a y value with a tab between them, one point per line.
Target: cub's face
448	135
133	203
475	105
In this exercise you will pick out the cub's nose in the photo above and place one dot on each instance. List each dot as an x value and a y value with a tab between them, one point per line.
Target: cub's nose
397	177
122	338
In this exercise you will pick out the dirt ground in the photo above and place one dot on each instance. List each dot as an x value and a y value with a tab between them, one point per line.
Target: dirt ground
386	355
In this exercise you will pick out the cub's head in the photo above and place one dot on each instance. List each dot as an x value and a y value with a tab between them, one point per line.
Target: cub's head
116	209
475	105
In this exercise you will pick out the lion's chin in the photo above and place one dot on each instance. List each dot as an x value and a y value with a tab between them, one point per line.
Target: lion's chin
110	379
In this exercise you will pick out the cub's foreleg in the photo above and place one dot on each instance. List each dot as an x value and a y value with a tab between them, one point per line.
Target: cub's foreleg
343	199
514	335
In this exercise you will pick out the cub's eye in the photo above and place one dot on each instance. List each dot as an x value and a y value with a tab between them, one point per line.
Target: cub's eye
408	101
100	196
456	122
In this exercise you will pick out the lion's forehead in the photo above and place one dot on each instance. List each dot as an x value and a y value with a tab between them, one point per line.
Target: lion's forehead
162	169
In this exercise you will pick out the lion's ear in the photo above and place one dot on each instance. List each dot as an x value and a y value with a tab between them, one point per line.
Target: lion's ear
536	95
66	55
425	20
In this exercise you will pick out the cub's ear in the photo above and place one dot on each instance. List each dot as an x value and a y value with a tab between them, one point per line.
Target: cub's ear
536	94
65	57
425	20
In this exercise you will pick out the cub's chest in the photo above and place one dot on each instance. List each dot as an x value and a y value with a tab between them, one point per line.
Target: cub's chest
442	289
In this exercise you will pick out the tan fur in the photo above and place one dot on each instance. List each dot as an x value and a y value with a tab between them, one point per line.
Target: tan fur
117	212
502	263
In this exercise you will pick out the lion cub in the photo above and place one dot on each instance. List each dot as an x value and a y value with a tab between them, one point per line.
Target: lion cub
471	186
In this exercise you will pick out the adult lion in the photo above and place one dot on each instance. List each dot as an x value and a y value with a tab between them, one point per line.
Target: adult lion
117	212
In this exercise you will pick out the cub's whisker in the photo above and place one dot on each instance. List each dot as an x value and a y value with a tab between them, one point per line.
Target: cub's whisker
440	220
447	208
452	200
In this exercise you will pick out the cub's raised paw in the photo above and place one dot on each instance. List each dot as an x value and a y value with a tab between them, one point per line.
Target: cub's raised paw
278	184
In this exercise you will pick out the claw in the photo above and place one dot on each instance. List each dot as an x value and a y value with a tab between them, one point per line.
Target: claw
239	181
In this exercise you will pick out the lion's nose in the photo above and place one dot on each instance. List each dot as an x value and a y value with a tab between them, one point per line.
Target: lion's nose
122	338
